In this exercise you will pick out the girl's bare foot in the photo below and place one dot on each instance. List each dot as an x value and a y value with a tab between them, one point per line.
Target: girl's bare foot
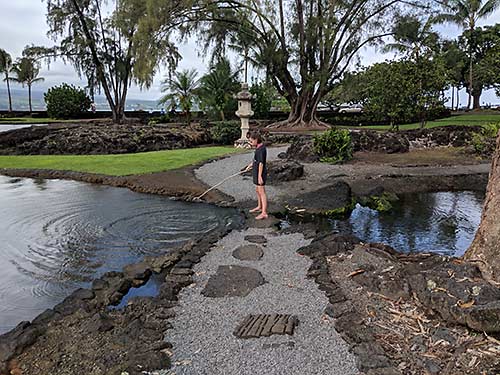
256	209
261	217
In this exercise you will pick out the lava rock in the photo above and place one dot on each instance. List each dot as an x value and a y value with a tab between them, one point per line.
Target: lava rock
333	197
284	170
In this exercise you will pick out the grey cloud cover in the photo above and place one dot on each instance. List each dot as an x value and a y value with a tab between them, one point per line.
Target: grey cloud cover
22	22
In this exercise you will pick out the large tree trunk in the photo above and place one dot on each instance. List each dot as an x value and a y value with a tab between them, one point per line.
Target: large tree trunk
477	99
485	249
303	113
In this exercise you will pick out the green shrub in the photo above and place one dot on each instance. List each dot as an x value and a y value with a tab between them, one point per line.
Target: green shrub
263	99
226	132
333	146
483	142
477	143
66	101
163	119
491	130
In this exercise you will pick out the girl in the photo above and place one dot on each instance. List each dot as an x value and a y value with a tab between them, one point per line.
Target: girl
259	171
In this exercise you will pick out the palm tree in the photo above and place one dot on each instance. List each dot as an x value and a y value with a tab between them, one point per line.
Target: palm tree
26	70
219	86
414	38
182	89
466	14
6	67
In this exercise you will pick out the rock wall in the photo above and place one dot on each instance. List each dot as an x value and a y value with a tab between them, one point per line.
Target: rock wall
99	138
390	142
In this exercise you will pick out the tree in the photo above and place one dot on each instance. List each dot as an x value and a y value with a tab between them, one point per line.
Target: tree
182	90
485	249
388	91
467	13
26	70
110	43
486	73
455	62
6	67
218	87
416	40
304	45
395	91
263	93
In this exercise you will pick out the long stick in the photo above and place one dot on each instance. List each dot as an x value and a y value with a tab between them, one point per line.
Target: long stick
220	183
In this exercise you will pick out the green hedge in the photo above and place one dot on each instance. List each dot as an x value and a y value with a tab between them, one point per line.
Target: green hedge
225	132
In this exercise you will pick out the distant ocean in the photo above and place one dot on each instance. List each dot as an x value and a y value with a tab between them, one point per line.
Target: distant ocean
20	101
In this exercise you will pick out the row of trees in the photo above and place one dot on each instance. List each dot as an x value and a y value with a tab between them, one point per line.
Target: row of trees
414	86
303	46
214	93
24	70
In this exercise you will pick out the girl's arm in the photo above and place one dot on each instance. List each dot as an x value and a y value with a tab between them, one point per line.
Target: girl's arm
261	170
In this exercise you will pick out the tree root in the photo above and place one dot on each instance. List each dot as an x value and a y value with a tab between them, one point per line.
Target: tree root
300	124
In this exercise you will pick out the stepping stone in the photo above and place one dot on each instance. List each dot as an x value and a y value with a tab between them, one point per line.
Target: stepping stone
266	223
248	252
256	239
233	281
263	325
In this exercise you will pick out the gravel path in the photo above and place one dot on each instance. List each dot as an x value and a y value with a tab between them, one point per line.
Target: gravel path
239	187
317	175
202	334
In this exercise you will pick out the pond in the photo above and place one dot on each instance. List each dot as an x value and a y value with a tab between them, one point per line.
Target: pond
7	127
56	236
443	222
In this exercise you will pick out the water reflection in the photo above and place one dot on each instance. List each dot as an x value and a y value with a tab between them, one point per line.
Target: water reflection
58	235
443	222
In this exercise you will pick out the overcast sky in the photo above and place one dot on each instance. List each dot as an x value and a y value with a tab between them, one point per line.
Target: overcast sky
22	22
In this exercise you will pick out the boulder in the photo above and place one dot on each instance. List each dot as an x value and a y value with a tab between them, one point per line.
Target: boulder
284	170
330	198
302	149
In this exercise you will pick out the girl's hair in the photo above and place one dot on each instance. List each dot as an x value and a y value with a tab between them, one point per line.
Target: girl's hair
254	134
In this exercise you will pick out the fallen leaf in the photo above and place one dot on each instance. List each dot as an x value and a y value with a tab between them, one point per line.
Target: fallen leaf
466	305
357	272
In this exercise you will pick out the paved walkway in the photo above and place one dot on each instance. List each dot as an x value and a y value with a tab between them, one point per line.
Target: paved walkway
202	334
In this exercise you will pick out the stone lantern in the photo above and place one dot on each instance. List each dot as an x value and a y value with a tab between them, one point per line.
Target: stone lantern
244	112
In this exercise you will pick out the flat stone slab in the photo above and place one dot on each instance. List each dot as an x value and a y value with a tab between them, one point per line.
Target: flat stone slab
256	239
248	252
233	281
266	223
264	325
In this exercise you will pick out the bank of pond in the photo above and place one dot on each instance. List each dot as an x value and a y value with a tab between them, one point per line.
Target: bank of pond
58	235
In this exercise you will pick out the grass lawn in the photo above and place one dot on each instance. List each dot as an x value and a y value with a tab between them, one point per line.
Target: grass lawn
117	165
465	119
29	120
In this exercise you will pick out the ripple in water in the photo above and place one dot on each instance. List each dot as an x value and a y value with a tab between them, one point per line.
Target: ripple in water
57	236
